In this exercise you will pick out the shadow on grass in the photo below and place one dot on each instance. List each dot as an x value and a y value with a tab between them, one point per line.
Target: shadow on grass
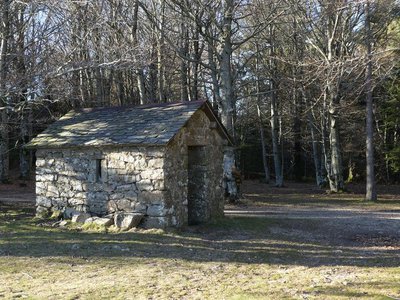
358	291
231	239
338	200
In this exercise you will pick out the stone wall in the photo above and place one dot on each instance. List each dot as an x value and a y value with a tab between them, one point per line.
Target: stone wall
132	180
197	132
148	180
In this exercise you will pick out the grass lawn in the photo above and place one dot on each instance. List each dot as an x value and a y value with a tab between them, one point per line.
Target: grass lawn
237	257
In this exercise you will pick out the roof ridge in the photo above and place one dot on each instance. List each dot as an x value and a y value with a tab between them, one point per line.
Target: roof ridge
141	106
118	125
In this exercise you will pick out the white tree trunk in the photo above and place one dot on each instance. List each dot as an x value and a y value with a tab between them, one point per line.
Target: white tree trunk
227	98
319	178
276	151
263	149
275	142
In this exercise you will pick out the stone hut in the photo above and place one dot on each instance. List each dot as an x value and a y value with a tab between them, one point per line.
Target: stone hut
164	161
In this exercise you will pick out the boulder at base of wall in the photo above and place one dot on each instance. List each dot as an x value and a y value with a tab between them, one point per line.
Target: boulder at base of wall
80	217
104	221
126	221
69	212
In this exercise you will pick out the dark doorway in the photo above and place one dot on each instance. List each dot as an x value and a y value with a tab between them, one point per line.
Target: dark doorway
198	206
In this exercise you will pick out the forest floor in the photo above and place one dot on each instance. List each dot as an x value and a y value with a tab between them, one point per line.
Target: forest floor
296	242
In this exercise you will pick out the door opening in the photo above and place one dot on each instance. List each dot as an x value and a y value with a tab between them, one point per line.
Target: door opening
198	204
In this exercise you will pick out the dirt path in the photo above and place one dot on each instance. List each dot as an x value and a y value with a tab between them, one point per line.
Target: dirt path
332	225
19	192
306	214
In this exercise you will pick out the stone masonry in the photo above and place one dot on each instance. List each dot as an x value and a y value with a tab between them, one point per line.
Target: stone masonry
147	179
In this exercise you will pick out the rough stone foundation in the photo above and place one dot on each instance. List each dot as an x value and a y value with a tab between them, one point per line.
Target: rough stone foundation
132	180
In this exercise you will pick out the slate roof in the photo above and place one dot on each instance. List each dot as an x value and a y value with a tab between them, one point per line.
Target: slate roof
141	125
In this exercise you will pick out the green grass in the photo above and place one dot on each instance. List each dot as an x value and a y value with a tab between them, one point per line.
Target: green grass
232	258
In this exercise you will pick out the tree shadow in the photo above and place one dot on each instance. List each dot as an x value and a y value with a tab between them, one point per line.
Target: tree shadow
231	239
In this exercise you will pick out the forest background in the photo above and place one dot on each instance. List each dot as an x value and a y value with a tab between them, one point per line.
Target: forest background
308	89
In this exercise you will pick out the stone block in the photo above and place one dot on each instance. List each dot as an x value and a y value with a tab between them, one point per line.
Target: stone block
154	152
155	163
154	197
43	201
116	164
153	174
159	185
90	220
43	171
126	221
80	217
112	206
69	212
46	178
155	222
63	223
104	221
66	192
156	210
126	187
129	178
52	190
76	185
129	158
40	162
140	207
76	201
116	196
124	205
131	195
58	166
145	185
141	163
80	195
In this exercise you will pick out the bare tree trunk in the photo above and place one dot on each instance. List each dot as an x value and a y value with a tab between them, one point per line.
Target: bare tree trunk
316	154
298	98
276	151
140	78
214	76
141	86
119	78
184	87
335	177
4	138
153	74
315	145
370	194
195	66
227	98
298	163
22	93
160	56
24	154
275	143
260	123
263	149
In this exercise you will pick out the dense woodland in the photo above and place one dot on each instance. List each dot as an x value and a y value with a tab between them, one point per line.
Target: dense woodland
308	89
